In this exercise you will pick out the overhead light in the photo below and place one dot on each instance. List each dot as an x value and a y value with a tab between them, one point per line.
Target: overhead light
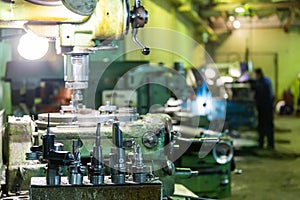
32	47
236	24
209	82
234	71
226	79
233	22
231	18
239	10
210	73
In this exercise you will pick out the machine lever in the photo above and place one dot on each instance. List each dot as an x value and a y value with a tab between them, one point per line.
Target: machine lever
145	50
138	19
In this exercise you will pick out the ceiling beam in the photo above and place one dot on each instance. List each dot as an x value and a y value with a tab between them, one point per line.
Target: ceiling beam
257	5
186	8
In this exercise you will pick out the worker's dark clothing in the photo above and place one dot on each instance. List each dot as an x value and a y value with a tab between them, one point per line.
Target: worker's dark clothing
264	98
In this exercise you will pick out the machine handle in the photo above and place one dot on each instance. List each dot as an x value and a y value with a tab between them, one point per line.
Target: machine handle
145	50
138	19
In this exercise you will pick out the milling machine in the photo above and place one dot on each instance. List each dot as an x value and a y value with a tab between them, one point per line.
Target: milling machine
79	28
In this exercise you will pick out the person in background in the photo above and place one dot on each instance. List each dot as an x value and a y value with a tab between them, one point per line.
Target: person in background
264	99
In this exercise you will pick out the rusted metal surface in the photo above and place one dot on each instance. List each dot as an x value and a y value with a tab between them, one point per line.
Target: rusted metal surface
17	139
107	22
40	191
20	10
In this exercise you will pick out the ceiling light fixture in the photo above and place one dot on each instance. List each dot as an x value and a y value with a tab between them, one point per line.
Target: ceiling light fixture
236	24
239	10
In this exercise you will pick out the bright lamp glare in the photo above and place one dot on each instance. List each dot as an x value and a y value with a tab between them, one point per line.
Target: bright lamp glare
236	24
239	10
210	73
227	79
32	47
231	18
234	72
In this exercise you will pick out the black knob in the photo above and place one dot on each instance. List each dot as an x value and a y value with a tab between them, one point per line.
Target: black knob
146	51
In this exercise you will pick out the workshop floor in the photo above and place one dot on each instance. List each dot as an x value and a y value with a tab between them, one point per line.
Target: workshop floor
269	174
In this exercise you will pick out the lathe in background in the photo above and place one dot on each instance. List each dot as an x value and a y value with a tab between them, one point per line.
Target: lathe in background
141	85
214	178
240	107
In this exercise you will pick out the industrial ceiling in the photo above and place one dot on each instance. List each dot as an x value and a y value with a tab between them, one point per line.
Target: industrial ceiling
215	16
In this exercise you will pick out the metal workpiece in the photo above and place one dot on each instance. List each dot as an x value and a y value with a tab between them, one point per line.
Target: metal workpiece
139	177
60	158
117	136
97	178
108	108
48	140
138	167
53	175
98	141
55	160
117	156
97	149
185	173
52	156
122	113
117	165
76	100
117	177
50	150
127	114
36	150
77	144
35	136
96	168
48	144
58	146
76	172
139	157
33	155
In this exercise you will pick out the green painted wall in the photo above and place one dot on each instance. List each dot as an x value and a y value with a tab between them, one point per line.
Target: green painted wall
263	46
169	35
5	56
